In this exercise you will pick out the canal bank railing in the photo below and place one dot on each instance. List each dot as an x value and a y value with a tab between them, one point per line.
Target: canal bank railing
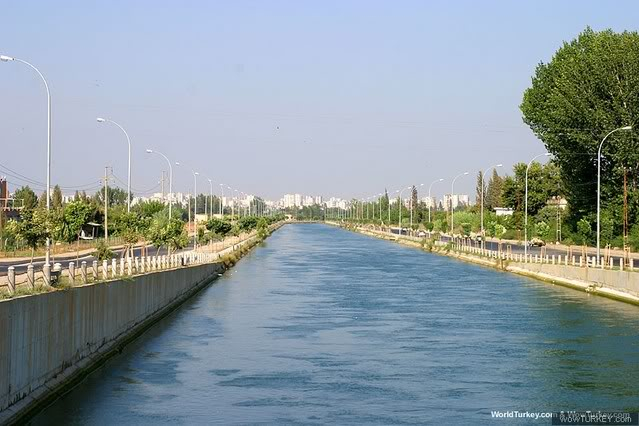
47	278
466	245
554	259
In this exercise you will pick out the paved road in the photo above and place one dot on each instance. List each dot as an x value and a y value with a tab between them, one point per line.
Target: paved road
519	248
21	266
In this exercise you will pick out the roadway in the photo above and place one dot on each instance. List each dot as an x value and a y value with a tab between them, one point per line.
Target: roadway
21	265
548	249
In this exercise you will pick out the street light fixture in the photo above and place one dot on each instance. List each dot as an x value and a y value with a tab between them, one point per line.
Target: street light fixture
150	151
626	128
128	184
195	175
5	58
430	199
452	210
210	212
545	154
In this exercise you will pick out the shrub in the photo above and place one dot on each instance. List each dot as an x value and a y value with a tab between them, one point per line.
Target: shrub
103	251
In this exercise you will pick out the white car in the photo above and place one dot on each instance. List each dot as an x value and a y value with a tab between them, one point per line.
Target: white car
421	234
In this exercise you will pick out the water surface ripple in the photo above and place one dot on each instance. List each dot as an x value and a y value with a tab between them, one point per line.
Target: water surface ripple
325	326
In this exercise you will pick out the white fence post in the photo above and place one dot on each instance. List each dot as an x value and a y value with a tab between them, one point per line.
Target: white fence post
11	275
31	277
83	272
71	273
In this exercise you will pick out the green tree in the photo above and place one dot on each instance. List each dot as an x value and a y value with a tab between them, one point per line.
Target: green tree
75	215
56	197
32	228
542	230
171	234
478	189
26	197
117	196
590	87
218	226
494	191
262	229
584	231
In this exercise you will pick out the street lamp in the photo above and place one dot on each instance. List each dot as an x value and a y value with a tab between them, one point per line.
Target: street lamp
5	58
483	177
150	151
545	154
128	184
452	211
195	175
210	212
430	199
599	186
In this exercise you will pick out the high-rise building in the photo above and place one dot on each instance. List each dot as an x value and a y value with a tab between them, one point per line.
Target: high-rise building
429	201
457	200
289	201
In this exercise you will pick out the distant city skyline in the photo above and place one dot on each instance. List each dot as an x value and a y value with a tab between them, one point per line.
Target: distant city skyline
340	108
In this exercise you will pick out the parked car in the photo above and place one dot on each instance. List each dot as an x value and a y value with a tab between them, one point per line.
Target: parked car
536	242
421	234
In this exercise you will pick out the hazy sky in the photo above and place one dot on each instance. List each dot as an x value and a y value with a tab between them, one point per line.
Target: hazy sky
341	98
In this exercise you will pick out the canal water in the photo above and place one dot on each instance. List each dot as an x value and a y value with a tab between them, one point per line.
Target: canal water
324	326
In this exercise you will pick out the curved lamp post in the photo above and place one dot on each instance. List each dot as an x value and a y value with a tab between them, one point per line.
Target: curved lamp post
599	186
128	183
150	151
430	199
545	154
195	175
452	210
210	210
5	58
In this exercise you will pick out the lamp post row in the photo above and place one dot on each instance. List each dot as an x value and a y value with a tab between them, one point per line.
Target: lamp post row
5	58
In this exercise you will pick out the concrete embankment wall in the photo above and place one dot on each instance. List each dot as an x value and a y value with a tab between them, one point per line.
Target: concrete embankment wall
617	284
50	339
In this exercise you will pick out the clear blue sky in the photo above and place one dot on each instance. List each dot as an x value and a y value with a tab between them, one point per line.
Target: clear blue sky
367	95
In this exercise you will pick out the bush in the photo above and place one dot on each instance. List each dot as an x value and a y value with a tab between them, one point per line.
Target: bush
103	251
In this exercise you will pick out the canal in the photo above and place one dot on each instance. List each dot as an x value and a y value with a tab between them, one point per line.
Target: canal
324	326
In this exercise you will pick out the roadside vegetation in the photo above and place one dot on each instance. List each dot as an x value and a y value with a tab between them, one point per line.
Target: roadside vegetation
79	224
589	88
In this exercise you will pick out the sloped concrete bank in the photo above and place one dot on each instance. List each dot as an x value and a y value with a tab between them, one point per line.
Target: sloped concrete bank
620	285
49	342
